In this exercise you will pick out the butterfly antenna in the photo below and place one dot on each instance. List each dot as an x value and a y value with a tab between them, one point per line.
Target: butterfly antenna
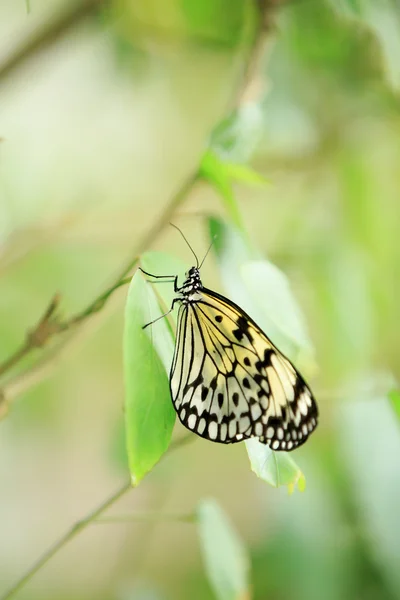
209	248
193	252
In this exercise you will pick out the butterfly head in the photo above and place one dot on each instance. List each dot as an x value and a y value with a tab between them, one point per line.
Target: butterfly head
192	283
193	273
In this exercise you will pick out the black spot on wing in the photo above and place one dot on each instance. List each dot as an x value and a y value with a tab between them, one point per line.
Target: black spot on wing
259	378
198	381
243	327
213	384
261	365
243	323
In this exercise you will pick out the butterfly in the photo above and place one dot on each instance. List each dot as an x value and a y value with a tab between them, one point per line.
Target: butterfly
228	381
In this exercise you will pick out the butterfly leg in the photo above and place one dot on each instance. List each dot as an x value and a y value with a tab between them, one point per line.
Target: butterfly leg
172	278
164	315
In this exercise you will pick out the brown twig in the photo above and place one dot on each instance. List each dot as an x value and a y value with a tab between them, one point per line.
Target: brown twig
50	326
37	338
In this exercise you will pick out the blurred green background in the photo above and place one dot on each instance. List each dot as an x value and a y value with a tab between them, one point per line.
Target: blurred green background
101	123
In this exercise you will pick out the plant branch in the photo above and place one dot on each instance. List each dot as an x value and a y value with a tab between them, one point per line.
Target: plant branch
36	338
90	518
50	325
67	537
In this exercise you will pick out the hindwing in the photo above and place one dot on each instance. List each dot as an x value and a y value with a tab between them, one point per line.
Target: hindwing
229	382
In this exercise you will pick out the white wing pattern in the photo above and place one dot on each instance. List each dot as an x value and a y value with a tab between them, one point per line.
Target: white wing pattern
229	382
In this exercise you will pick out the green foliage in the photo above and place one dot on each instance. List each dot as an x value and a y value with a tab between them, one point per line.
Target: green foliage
321	120
213	170
160	263
221	175
237	137
224	554
142	365
212	20
394	397
222	24
263	291
276	468
244	174
248	281
149	415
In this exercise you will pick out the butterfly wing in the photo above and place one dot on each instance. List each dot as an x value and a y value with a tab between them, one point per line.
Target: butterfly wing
229	382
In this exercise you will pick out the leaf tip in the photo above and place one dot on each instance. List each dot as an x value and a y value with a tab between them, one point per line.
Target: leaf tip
299	482
134	480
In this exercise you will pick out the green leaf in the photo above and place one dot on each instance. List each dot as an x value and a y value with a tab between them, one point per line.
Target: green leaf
394	397
263	291
160	263
224	554
213	21
244	174
229	245
274	301
213	169
221	174
237	136
149	414
276	468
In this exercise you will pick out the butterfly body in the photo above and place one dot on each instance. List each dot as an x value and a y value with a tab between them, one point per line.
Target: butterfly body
191	287
228	381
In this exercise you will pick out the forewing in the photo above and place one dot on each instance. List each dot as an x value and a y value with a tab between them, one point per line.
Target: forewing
229	382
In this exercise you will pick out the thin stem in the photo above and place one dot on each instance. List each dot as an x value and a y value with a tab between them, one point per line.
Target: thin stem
37	372
67	537
164	220
91	517
46	326
15	358
97	304
54	30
